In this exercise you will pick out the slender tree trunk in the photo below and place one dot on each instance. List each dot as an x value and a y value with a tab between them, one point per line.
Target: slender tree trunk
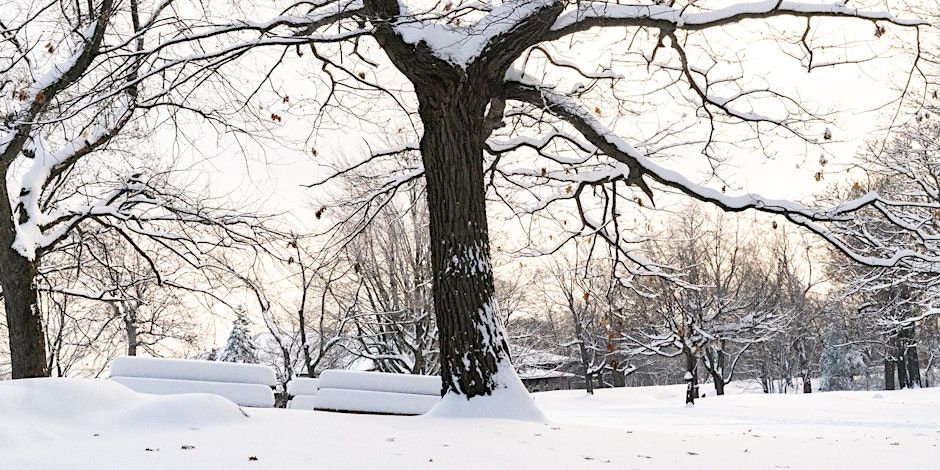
20	299
586	361
130	328
766	382
804	368
472	343
901	368
691	379
617	376
890	354
715	364
305	348
899	360
911	360
719	384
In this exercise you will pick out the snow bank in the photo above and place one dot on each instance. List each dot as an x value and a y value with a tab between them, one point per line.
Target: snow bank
303	386
364	401
104	403
381	382
188	369
254	395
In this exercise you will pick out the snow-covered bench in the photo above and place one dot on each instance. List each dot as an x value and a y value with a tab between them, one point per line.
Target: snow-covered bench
245	384
376	392
304	392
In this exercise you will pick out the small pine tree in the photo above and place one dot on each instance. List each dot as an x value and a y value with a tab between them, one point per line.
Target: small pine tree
210	355
240	346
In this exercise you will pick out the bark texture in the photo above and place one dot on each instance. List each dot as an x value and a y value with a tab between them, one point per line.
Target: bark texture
21	304
472	343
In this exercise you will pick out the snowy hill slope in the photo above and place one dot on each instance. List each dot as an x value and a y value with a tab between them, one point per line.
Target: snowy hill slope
97	424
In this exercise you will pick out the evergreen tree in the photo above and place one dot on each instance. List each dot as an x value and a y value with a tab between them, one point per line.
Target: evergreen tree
240	346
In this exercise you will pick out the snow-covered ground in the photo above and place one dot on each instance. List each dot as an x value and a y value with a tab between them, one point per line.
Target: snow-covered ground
100	425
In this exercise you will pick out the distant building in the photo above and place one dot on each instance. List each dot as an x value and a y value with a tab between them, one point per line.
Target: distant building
543	371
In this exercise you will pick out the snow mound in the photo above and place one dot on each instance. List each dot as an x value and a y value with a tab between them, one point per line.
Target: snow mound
510	400
98	401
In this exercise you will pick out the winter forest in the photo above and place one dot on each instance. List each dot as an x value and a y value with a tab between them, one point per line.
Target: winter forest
547	234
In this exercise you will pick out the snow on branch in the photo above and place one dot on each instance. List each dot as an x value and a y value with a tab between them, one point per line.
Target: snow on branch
636	165
461	45
585	15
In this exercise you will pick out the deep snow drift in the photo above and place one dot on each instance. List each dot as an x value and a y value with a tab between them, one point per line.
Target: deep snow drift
98	424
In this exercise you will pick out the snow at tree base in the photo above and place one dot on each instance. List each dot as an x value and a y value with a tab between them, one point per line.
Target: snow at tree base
83	424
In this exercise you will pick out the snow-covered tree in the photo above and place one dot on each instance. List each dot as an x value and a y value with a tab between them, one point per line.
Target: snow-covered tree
724	305
840	361
72	97
389	284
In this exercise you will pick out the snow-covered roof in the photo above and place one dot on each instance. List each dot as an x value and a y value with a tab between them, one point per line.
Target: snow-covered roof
532	373
534	358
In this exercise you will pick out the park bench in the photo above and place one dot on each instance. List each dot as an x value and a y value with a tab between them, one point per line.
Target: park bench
303	391
244	384
370	392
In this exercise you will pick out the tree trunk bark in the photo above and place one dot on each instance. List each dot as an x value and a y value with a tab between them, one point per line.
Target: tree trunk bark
473	347
899	361
715	368
20	299
910	358
889	366
804	367
691	379
130	328
719	384
617	375
586	360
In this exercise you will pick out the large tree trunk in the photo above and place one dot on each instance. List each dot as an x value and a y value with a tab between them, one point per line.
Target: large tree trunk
453	102
20	299
473	349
